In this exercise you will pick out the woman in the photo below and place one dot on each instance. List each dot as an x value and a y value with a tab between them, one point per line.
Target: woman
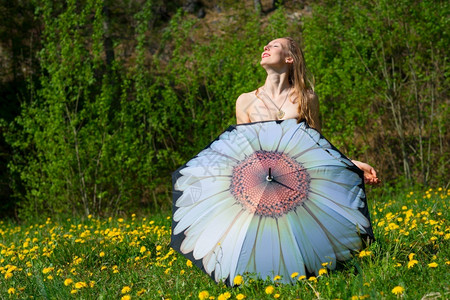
286	94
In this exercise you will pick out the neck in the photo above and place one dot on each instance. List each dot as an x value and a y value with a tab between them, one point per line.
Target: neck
276	83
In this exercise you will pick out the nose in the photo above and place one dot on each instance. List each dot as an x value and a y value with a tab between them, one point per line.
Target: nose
266	48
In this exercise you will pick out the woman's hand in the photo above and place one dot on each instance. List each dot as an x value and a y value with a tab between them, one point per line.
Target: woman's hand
370	175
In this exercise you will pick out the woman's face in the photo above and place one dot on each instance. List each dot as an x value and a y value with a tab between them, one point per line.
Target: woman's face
275	52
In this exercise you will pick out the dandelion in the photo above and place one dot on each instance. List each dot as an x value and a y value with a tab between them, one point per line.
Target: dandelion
295	274
238	280
240	296
312	279
203	295
126	289
80	285
302	277
126	297
224	296
139	293
412	263
278	277
276	296
143	249
398	290
433	265
11	291
8	275
74	291
322	272
269	290
182	272
47	270
102	254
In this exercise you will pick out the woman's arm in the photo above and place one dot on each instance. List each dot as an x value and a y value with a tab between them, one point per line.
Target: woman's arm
370	175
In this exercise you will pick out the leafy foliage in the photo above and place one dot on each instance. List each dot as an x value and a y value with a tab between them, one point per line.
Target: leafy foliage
116	111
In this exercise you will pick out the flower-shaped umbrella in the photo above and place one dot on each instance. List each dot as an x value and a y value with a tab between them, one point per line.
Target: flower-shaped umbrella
268	198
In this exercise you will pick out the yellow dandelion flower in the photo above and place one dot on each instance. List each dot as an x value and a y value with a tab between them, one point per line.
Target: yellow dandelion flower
447	262
8	275
139	293
295	274
398	290
126	297
50	277
276	296
182	272
312	278
302	277
80	285
92	284
74	291
324	264
411	255
322	272
203	295
278	277
11	291
227	295
47	270
143	249
102	254
240	296
126	289
158	248
269	289
411	263
433	265
354	298
68	282
365	253
238	280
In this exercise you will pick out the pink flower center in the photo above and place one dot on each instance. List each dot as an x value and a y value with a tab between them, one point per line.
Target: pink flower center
270	193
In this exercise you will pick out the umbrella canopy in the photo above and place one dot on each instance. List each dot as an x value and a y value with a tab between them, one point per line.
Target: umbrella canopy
268	198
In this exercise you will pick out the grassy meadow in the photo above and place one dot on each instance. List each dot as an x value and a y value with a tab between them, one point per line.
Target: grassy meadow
130	258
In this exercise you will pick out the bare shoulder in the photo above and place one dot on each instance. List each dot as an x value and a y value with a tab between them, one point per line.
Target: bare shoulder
243	105
245	99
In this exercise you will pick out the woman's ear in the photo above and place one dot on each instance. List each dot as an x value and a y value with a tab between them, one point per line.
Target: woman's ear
289	60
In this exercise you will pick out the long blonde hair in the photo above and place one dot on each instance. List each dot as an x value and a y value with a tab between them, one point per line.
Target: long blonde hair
303	87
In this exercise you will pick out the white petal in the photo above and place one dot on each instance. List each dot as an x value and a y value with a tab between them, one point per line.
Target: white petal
267	248
352	215
246	262
293	260
185	216
192	234
215	230
207	171
312	241
200	190
342	233
349	196
212	159
299	143
269	136
230	247
335	174
250	132
288	125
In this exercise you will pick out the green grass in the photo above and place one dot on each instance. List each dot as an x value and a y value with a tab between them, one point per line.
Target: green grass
114	258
